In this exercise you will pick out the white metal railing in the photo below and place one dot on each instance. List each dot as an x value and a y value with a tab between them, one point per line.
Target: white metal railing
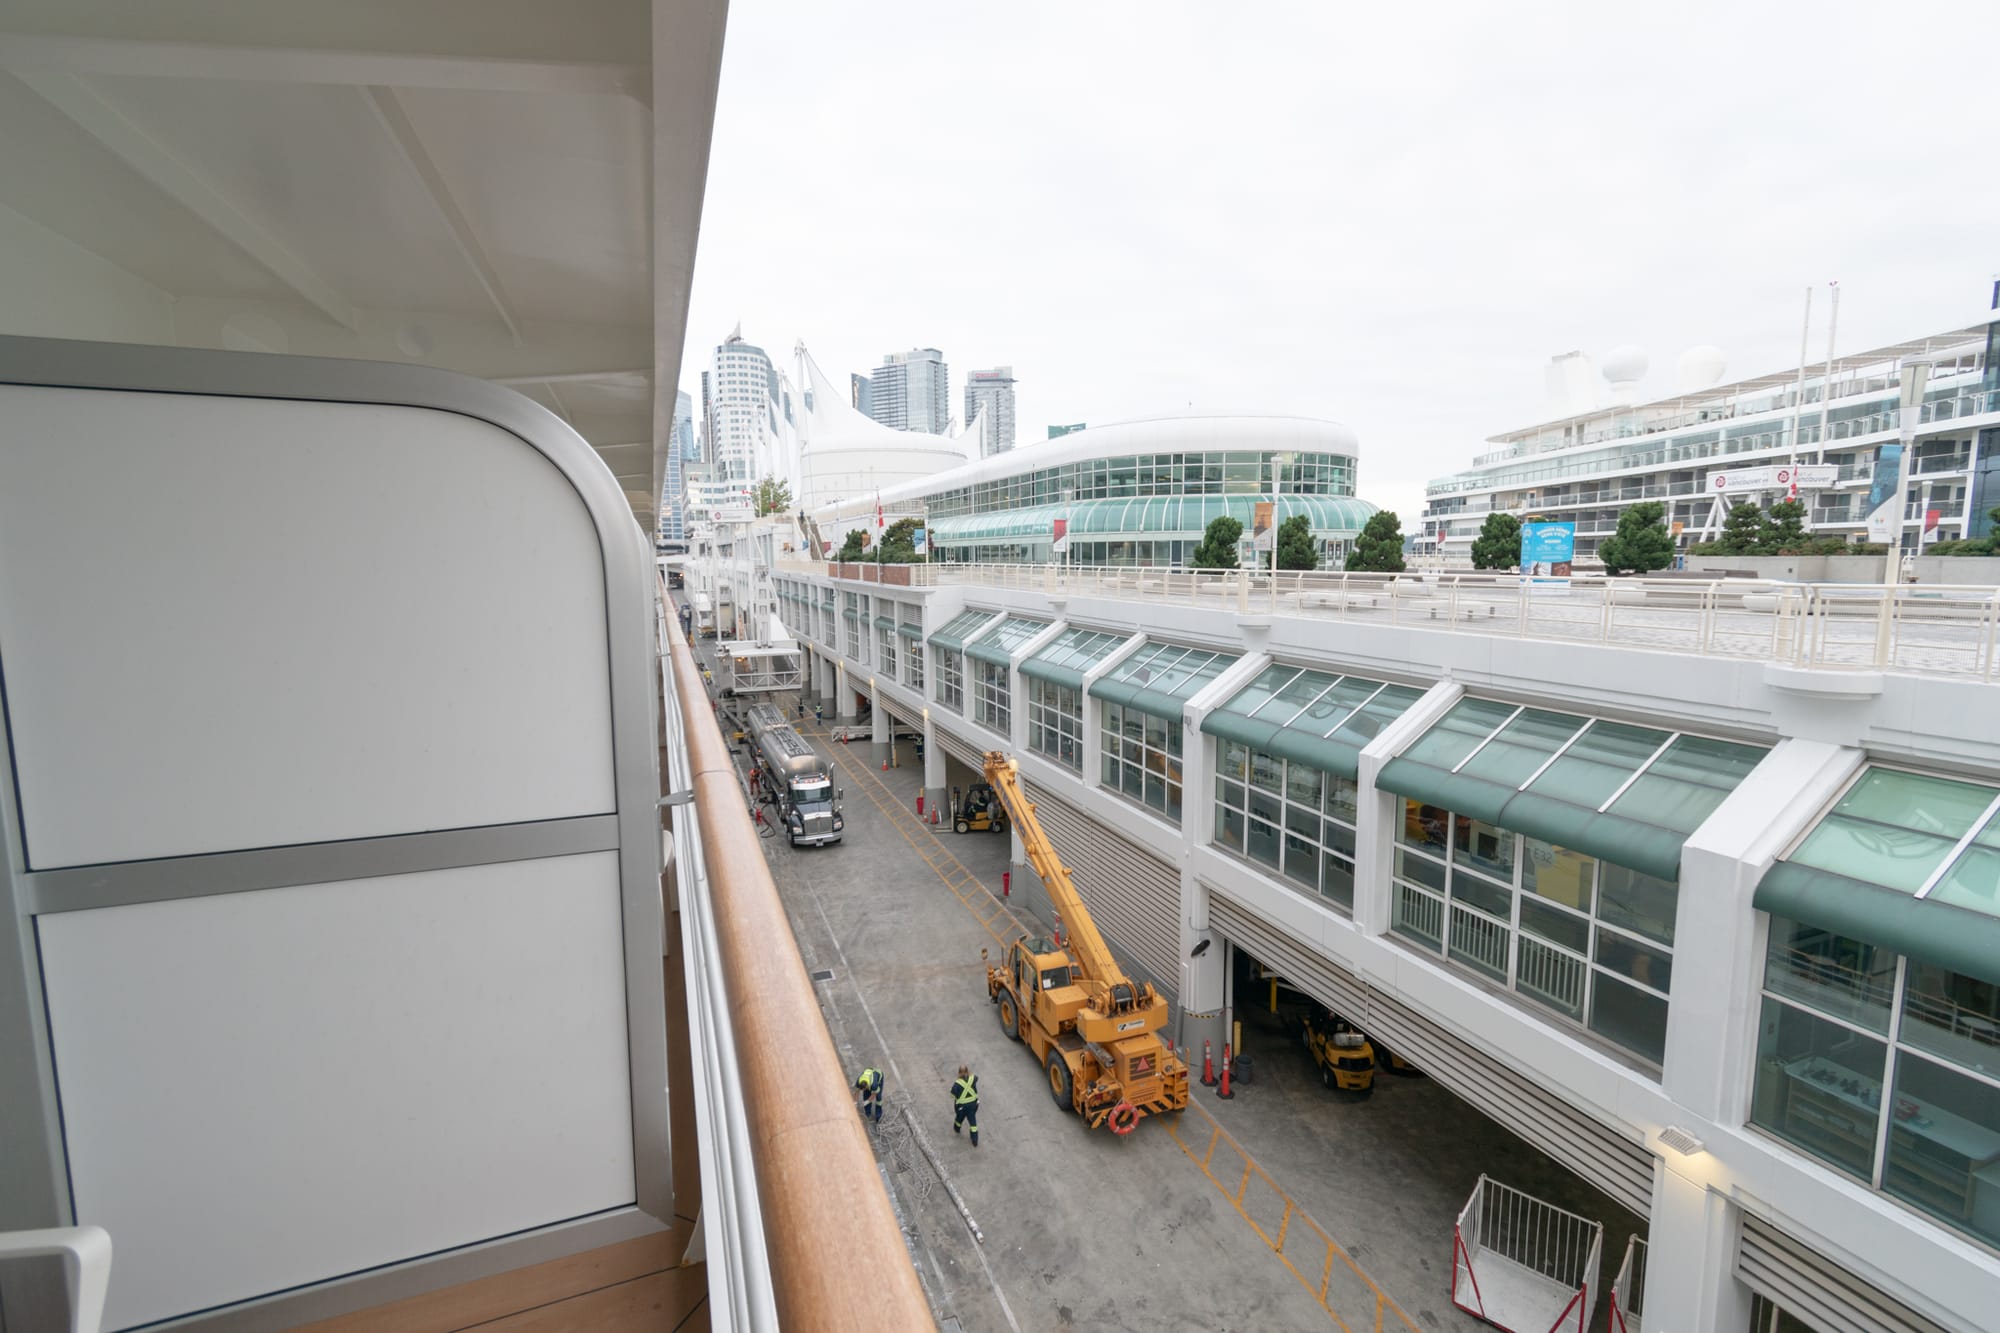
1550	975
1478	940
1628	1290
1923	629
732	1220
1503	1231
1420	913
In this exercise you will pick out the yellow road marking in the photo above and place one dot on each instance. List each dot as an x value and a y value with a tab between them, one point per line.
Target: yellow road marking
970	896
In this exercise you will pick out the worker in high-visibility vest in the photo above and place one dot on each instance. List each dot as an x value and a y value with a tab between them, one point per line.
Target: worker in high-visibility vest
965	1103
868	1093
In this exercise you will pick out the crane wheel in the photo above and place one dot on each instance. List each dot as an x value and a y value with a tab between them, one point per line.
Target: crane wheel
1010	1017
1059	1081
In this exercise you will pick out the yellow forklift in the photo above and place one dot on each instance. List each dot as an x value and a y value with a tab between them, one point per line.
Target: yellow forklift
980	811
1345	1057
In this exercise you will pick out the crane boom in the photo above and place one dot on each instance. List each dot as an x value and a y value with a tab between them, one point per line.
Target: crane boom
1086	944
1096	1031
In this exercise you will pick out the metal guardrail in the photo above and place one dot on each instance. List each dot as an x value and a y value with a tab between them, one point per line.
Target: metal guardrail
1922	629
791	1191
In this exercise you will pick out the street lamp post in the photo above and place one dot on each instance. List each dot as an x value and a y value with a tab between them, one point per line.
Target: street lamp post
1278	463
1916	376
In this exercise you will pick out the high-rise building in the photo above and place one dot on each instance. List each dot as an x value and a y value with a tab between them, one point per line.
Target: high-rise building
673	490
741	411
908	391
992	392
859	395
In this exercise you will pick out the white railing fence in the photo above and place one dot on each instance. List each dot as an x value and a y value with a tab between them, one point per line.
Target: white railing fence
1628	1290
1924	629
1524	1264
732	1220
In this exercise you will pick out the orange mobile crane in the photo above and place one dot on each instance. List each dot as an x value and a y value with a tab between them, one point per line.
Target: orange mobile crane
1092	1028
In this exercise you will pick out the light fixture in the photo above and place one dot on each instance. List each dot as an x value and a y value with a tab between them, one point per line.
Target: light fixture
1682	1142
1200	949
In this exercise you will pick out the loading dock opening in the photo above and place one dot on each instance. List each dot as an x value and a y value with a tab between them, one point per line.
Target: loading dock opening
1420	1134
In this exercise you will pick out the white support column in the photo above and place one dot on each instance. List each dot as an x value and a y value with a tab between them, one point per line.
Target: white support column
843	693
934	771
1691	1239
1089	705
1203	980
1017	684
878	728
1712	1006
1376	812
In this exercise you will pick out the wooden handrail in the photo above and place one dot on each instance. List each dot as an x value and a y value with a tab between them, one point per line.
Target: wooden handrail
837	1255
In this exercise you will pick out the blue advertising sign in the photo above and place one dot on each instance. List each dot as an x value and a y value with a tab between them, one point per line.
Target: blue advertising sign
1882	498
921	540
1547	552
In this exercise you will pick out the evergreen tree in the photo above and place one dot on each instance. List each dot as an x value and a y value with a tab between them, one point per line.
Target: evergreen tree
1379	548
1642	542
856	543
1498	545
1786	530
899	542
773	495
1296	547
1218	545
1742	532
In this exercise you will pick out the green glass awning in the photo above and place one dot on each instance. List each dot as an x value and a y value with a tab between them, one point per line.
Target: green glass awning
998	645
1926	929
1627	794
1075	651
1340	516
885	622
953	635
1909	861
1160	677
1317	718
909	631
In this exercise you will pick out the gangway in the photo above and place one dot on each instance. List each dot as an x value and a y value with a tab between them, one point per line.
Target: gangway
1523	1264
761	666
1628	1290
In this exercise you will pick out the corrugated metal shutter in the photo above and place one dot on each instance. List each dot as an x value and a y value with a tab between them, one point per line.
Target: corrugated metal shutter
961	751
1606	1157
1815	1288
1134	895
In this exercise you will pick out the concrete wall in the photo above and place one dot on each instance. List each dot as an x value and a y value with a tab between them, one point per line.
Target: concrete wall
1983	571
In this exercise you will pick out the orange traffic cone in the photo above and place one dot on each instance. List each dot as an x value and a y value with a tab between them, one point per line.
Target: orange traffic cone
1223	1091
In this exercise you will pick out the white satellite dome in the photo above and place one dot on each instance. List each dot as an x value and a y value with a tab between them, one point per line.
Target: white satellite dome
1700	368
1625	365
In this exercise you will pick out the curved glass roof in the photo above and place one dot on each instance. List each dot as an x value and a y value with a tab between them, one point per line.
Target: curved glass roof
1074	652
1906	860
1628	794
1189	515
1318	718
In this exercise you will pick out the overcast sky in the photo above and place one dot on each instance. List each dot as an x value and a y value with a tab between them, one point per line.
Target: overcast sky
1390	215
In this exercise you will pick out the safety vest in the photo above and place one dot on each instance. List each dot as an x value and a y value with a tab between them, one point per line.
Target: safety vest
870	1079
965	1090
